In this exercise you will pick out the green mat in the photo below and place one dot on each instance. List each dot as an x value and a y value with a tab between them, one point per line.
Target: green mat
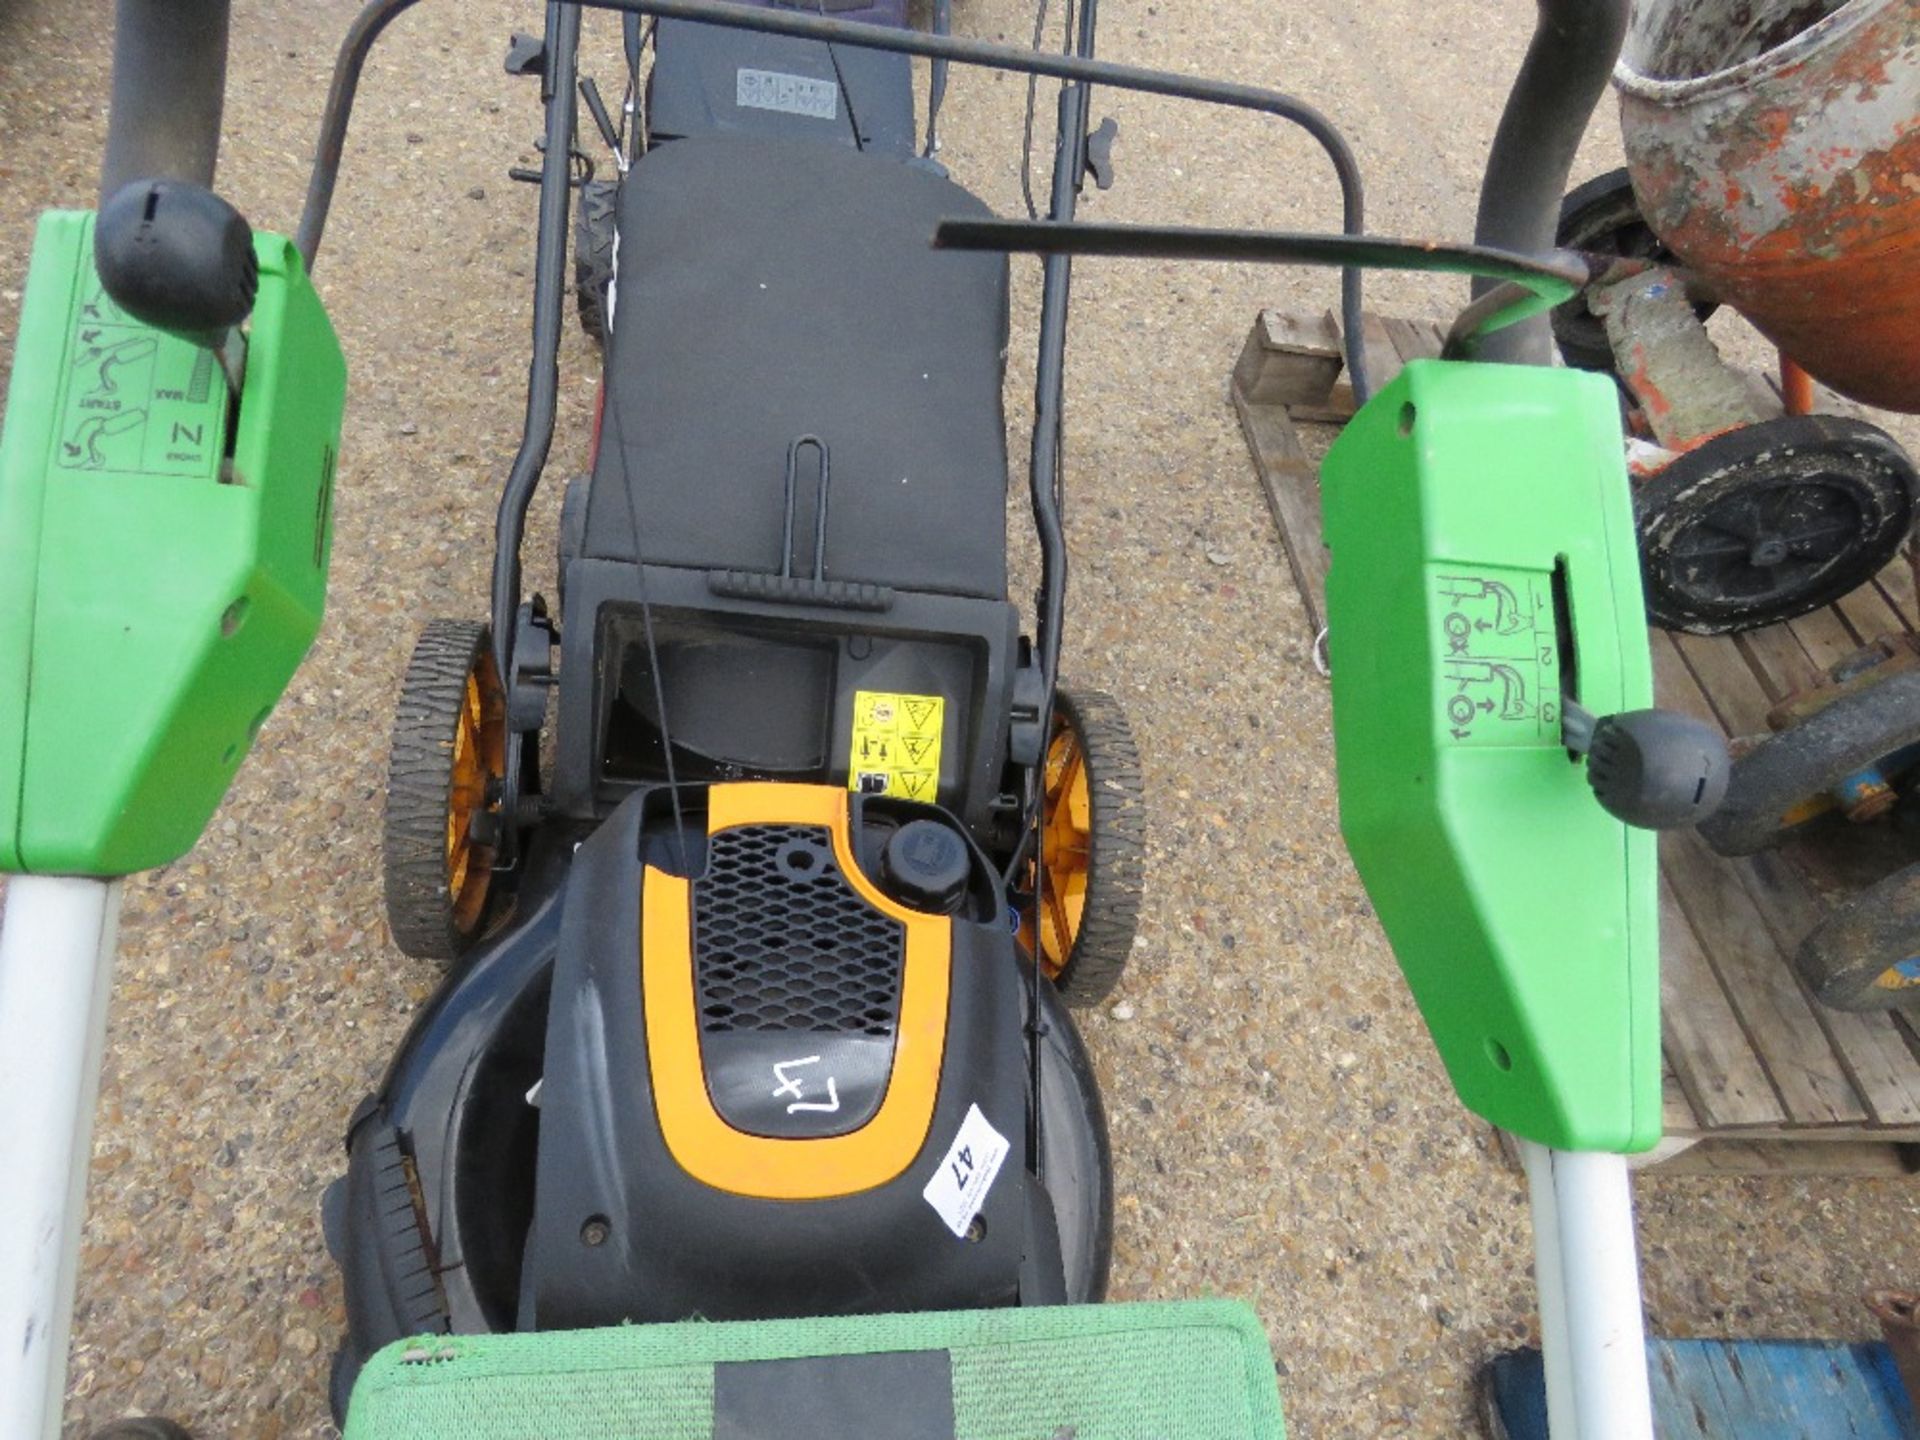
1190	1370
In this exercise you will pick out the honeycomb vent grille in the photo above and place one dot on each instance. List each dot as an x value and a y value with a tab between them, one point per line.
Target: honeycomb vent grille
782	941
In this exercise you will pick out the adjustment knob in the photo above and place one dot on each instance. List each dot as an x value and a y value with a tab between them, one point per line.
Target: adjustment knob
926	865
177	257
1656	769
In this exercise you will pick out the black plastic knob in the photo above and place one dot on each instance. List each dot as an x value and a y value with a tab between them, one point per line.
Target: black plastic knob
177	257
1656	769
926	865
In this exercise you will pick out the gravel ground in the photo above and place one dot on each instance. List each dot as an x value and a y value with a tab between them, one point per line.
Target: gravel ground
1282	1128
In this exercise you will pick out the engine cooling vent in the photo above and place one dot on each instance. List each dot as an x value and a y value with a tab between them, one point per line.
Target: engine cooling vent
782	941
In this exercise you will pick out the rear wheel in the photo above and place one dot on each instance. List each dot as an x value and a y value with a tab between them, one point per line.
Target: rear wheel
1866	954
1772	521
1093	846
593	231
448	760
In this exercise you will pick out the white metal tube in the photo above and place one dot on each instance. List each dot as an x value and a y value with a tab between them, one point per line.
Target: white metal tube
1550	1281
1592	1327
56	973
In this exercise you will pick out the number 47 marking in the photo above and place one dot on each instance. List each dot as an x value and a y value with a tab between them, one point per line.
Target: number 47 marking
963	1166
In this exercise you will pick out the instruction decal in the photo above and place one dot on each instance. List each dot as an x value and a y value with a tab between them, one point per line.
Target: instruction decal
958	1189
786	94
896	744
1499	676
138	402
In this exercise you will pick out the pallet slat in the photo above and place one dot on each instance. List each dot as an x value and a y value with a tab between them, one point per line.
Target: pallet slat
1776	1015
1895	585
1825	636
1869	616
1413	339
1778	661
1292	486
1711	1056
1876	1055
1735	698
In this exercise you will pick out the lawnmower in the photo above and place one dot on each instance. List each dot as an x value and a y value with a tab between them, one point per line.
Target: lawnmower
749	1104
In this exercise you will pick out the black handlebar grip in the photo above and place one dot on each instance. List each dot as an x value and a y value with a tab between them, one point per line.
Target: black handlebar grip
177	257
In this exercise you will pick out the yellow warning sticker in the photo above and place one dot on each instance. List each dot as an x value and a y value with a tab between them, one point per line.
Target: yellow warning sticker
896	744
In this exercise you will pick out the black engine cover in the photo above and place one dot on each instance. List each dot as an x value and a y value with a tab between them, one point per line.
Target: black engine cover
622	1232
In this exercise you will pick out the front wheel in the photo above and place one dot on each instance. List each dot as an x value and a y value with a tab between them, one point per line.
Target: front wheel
1075	1161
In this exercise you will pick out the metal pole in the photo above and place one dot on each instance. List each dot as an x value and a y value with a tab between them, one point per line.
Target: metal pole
56	972
169	84
1549	1280
1592	1331
550	269
1563	77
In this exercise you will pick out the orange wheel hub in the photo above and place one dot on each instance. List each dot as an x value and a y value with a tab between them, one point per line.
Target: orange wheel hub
479	762
1066	848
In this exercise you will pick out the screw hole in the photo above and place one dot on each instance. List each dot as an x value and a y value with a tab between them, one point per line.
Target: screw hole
1406	418
1497	1053
234	617
976	1230
595	1231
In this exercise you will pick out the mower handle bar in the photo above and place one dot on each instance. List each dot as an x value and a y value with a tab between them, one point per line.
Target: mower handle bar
378	14
169	80
1522	285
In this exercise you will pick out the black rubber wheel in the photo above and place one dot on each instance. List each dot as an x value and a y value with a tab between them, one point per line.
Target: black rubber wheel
593	228
1776	786
1076	1158
449	739
1866	954
145	1427
1603	217
1772	521
1095	845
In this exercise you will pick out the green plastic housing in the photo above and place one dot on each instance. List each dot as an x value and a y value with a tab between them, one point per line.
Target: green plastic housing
163	556
1148	1370
1483	564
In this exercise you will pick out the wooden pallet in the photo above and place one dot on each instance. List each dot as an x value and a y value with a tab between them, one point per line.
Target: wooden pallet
1754	1065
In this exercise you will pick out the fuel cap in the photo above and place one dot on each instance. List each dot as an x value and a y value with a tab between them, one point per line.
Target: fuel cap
925	865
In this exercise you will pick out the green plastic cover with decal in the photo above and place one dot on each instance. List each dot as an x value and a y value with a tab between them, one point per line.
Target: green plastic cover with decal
1484	566
163	556
1165	1370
